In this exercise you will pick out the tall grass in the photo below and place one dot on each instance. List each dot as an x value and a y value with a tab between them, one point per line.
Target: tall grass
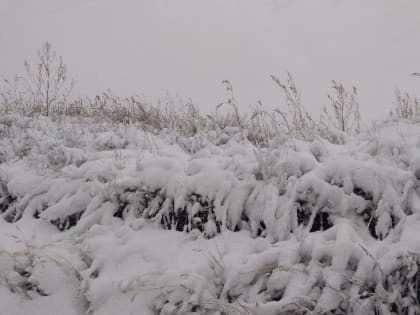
47	92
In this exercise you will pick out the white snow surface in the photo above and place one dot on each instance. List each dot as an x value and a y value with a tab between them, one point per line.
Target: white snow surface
109	219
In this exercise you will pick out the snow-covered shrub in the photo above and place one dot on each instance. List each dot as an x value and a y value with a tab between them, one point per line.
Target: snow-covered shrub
8	204
46	275
291	185
308	226
123	206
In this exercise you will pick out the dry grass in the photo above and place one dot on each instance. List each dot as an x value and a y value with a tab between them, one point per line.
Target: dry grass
406	106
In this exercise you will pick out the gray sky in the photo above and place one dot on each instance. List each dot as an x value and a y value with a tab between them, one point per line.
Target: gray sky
190	46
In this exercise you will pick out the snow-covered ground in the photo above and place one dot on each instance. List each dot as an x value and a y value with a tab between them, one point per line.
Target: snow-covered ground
109	219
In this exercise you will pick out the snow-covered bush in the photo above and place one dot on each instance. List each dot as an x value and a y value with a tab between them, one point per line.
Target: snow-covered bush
290	228
112	205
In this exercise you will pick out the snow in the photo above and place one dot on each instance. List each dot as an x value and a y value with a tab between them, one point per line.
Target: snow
117	220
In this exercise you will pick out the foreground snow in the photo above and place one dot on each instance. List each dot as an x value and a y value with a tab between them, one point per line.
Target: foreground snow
105	219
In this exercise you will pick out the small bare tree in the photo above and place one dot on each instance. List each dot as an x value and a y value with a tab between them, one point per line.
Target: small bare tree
343	110
48	84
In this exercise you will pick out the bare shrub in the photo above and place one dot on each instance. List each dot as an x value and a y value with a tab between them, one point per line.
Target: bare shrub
343	110
47	84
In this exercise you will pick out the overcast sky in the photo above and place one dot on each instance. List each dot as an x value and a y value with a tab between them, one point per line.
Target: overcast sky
190	46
